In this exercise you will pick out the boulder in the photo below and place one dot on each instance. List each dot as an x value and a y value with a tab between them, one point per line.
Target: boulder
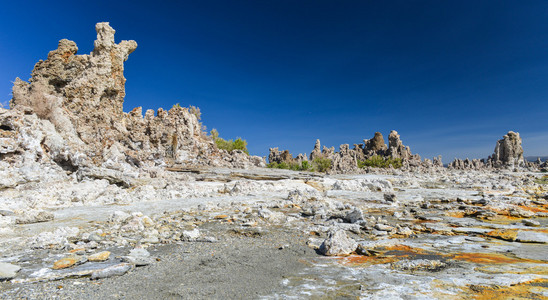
337	243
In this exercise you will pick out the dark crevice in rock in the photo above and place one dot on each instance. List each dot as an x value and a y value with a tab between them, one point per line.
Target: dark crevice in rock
6	128
66	165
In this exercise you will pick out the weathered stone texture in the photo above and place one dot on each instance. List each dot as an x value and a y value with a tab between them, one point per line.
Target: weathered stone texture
78	100
508	152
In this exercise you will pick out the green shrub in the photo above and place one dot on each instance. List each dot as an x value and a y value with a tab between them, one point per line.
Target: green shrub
377	161
321	164
195	111
543	180
229	145
303	166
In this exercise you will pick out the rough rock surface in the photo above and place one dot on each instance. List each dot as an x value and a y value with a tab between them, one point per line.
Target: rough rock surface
346	159
8	271
71	113
337	243
508	152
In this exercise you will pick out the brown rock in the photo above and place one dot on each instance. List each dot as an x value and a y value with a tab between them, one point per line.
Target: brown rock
66	262
101	256
504	234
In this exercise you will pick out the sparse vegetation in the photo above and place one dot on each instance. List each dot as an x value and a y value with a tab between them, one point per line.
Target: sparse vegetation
322	164
303	166
195	111
377	161
318	165
543	180
230	145
42	103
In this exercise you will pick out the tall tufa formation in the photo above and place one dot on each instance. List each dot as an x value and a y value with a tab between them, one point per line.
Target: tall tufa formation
396	148
508	152
86	90
346	159
82	96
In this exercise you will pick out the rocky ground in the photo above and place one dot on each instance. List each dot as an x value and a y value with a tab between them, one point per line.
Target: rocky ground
100	203
278	234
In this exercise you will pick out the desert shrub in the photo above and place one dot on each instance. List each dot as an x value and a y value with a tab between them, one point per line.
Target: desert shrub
543	180
303	166
195	111
377	161
42	102
321	164
230	145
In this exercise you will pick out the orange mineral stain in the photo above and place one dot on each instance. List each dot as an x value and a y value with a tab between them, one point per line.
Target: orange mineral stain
533	289
491	258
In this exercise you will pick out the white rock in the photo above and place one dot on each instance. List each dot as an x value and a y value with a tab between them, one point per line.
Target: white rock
191	235
337	243
531	237
115	270
8	271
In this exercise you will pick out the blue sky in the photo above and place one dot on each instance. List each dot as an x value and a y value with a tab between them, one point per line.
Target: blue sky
451	77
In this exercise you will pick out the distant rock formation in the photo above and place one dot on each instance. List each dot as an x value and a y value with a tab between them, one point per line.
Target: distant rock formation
467	164
346	159
71	113
508	152
396	148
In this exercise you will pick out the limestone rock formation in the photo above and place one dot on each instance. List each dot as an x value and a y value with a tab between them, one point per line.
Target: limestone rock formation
508	152
376	144
316	152
346	159
396	148
467	164
71	114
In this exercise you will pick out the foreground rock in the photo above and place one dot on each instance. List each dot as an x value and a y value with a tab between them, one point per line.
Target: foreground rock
8	271
337	243
69	118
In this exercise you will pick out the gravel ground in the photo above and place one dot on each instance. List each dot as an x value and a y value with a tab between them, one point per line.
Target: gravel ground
238	266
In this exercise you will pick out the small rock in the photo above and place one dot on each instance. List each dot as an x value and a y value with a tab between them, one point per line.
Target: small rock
503	234
150	240
389	197
533	223
66	262
101	256
520	213
337	243
115	270
118	217
532	237
418	265
6	212
147	221
190	235
405	231
30	218
8	271
264	213
383	227
354	216
94	237
139	257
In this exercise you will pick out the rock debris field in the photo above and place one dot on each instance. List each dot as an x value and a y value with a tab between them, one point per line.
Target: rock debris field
96	203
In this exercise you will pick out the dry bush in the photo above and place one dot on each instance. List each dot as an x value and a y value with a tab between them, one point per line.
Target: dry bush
41	102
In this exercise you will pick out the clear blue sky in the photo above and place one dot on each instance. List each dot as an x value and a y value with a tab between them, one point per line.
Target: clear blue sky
451	77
